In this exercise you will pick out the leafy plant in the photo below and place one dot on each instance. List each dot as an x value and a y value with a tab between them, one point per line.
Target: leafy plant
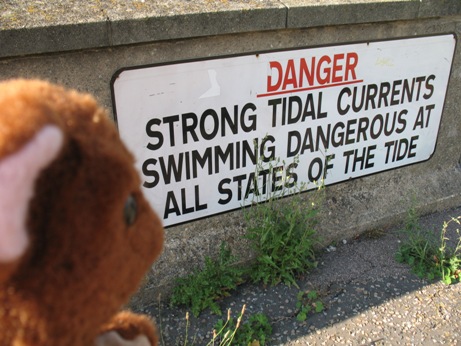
449	260
428	254
284	239
203	288
256	331
418	248
308	302
281	232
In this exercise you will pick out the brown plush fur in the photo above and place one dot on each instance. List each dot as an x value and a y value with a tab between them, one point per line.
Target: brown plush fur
83	261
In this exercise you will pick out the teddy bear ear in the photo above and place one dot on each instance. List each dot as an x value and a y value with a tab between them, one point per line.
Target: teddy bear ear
18	174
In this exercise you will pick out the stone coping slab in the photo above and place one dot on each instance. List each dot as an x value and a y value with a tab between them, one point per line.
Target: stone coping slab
44	26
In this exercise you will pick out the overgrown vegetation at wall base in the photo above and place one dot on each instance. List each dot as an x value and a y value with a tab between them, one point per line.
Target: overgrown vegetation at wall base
283	237
201	289
428	253
418	247
282	234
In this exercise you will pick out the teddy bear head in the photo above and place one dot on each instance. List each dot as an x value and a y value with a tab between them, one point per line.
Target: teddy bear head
76	234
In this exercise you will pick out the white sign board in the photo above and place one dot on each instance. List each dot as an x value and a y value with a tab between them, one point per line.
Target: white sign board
212	135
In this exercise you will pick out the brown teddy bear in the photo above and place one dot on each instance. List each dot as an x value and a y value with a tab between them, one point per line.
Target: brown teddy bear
76	234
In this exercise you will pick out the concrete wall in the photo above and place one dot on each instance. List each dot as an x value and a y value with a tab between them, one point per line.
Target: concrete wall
82	47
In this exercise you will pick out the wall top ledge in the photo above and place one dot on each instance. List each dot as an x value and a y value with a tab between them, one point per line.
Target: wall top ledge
44	26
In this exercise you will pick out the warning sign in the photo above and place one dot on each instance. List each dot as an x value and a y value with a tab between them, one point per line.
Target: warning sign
212	135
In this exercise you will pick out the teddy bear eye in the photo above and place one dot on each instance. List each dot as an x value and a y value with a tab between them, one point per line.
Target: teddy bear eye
130	211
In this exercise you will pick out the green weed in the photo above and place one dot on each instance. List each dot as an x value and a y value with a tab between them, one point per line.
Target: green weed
427	252
283	237
254	332
284	241
203	288
449	260
307	303
282	234
418	248
282	230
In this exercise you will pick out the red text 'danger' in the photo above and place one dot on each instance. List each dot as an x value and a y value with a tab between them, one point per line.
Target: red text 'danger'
311	73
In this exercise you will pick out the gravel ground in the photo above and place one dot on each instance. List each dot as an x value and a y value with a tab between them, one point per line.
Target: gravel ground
369	299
